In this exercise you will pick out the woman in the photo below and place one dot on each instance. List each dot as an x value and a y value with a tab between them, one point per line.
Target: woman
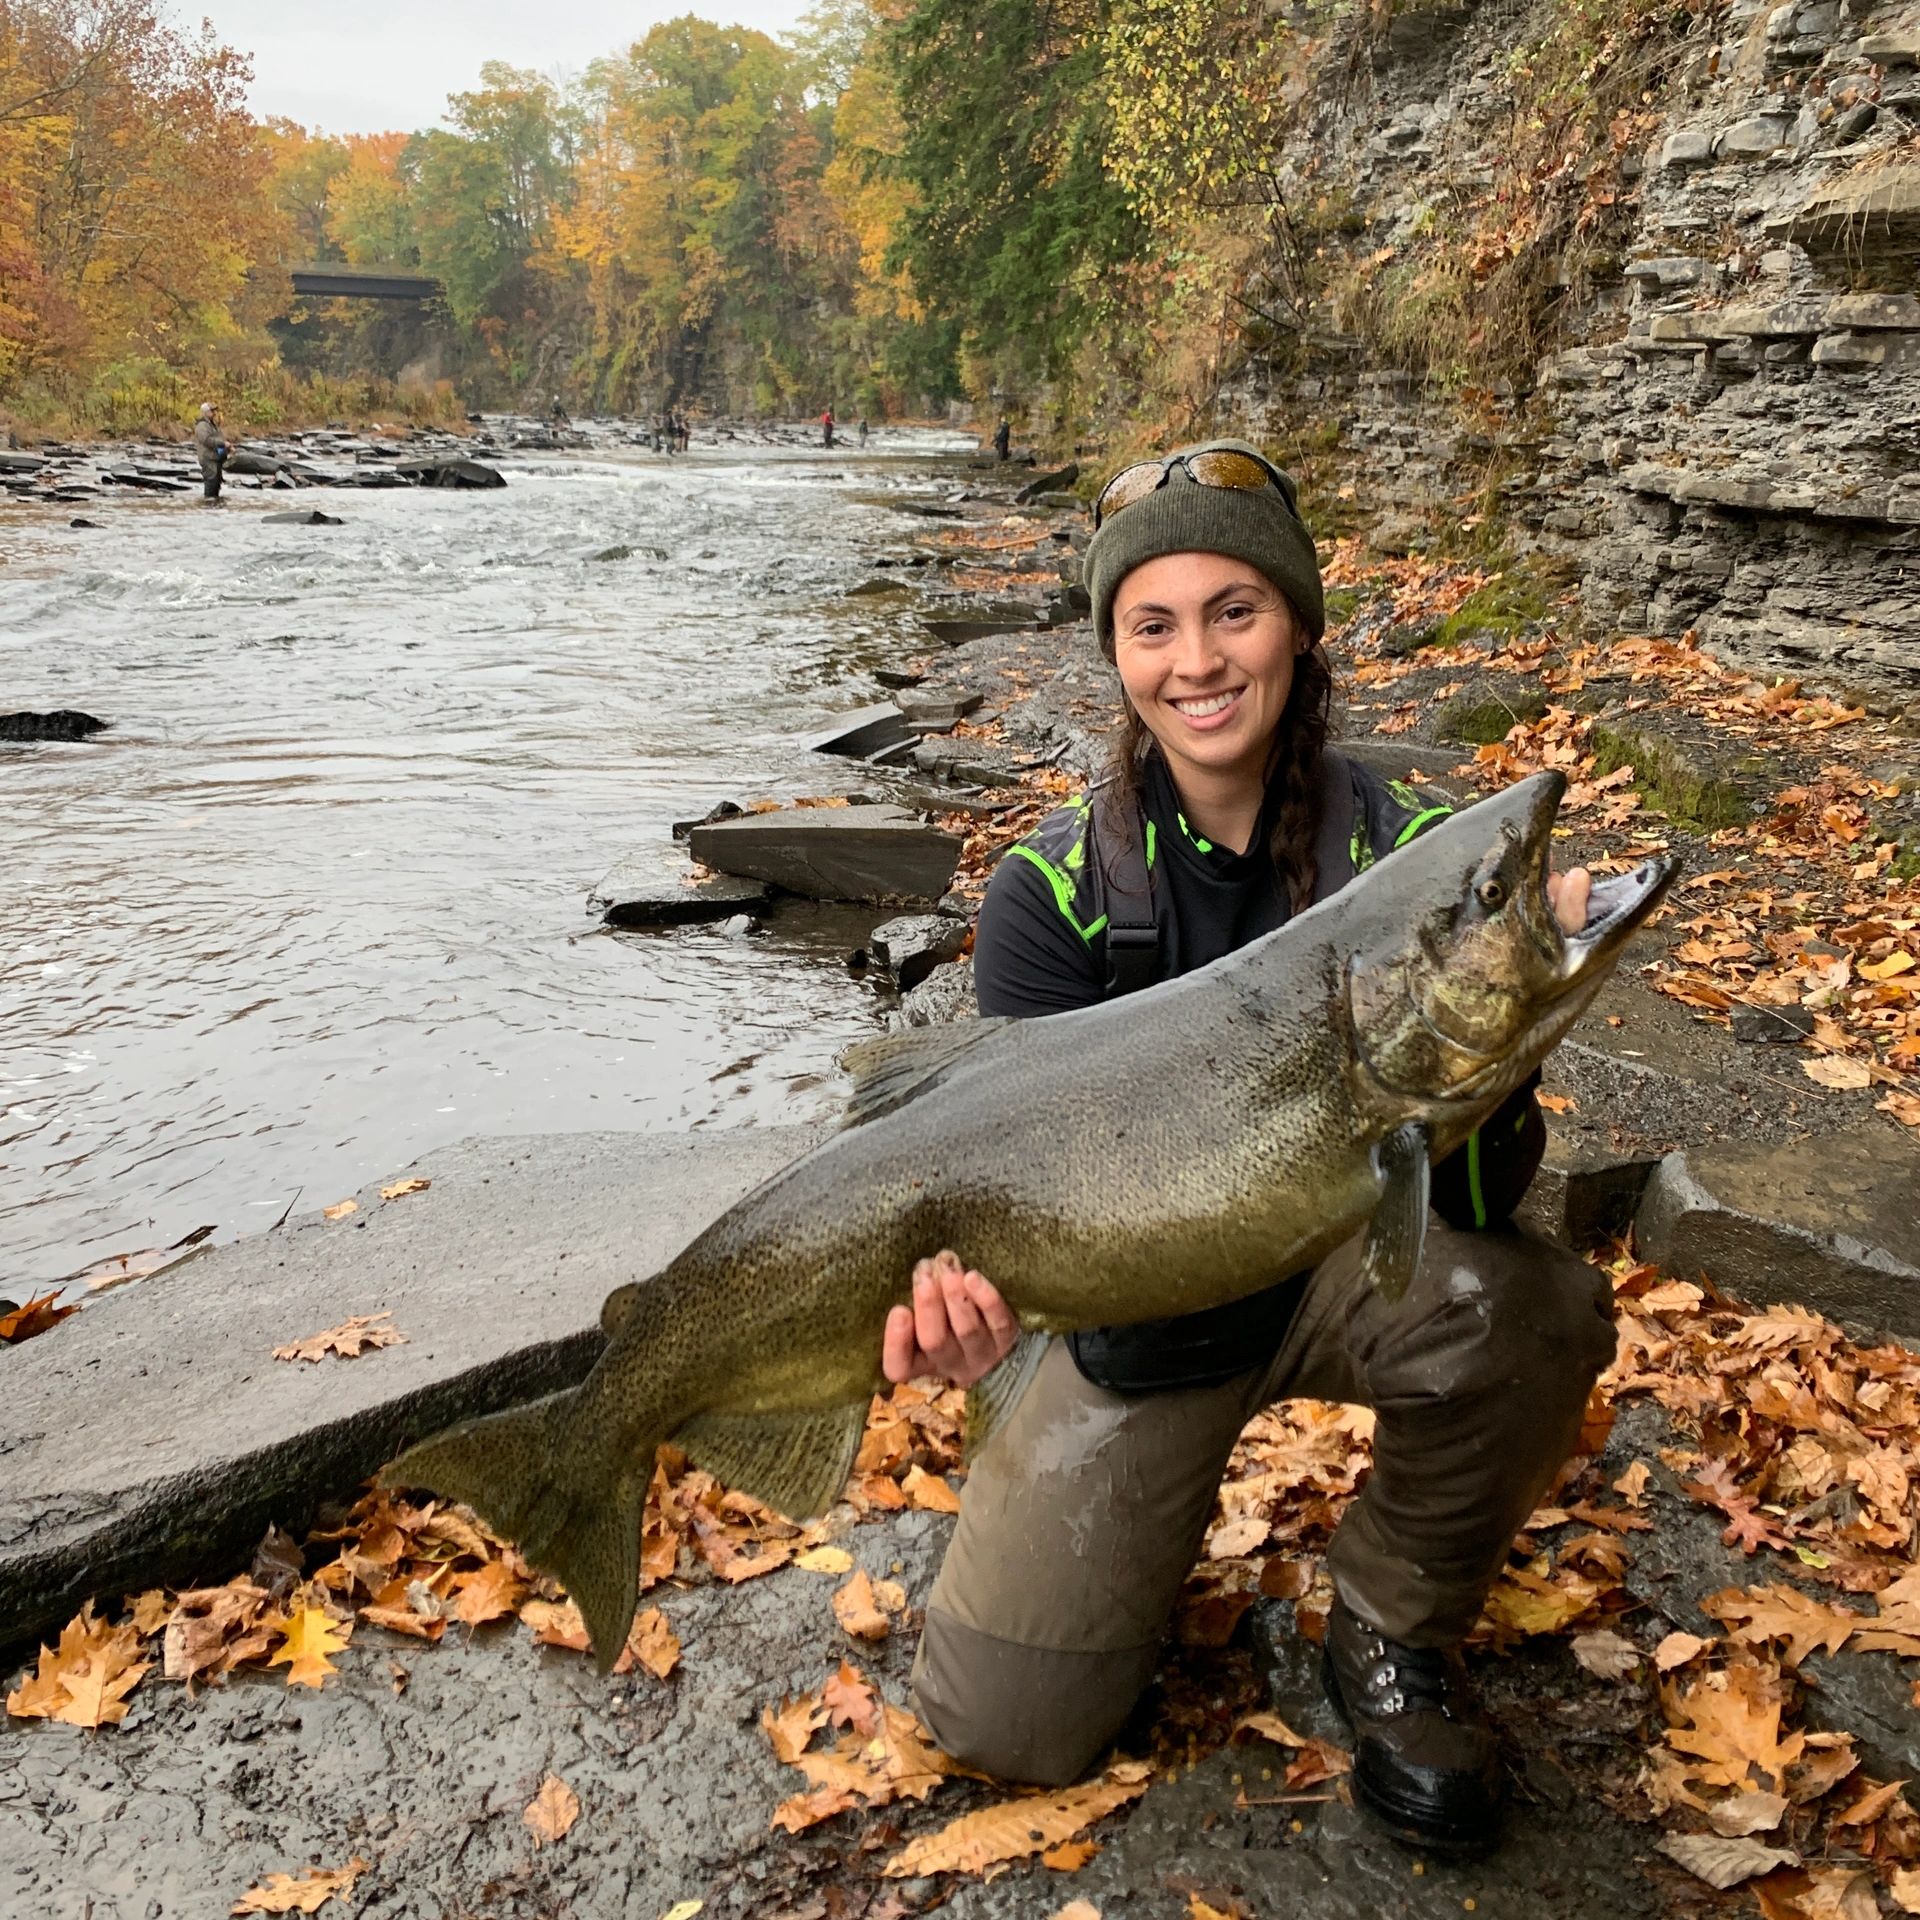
1226	813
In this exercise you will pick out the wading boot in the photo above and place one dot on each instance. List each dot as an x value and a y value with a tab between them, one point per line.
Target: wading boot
1423	1759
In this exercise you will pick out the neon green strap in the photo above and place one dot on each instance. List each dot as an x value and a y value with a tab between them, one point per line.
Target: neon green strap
1062	892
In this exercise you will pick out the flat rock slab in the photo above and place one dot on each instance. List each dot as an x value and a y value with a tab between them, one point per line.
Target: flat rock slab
153	1436
868	731
1833	1224
660	888
871	853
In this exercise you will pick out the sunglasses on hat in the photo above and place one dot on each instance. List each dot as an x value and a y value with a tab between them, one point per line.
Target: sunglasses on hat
1220	467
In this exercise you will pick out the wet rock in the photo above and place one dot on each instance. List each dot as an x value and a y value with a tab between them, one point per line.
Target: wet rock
450	473
867	587
967	763
956	633
912	946
313	517
872	853
869	733
156	1438
720	810
946	994
92	525
938	710
1774	1026
1059	502
1055	482
21	462
659	888
1830	1224
63	723
897	676
1585	1191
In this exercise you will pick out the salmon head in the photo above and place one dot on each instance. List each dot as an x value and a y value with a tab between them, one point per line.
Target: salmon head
1461	978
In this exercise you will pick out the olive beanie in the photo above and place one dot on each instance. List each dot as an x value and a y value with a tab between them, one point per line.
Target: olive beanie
1261	526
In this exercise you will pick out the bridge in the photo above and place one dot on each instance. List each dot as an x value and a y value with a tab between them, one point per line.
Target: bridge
331	281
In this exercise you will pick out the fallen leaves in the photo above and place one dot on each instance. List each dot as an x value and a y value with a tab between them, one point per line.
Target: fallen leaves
311	1638
307	1893
363	1333
550	1814
1728	1723
400	1188
1017	1829
1782	1613
85	1679
884	1756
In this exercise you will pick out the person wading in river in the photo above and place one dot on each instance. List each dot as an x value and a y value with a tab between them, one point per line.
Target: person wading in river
1226	813
210	445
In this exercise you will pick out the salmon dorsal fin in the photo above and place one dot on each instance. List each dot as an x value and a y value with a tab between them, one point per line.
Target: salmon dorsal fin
899	1067
795	1463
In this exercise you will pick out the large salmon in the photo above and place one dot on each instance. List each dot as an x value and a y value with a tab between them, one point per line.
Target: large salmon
1166	1152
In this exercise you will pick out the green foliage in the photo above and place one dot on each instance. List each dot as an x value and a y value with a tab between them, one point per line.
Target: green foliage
1015	219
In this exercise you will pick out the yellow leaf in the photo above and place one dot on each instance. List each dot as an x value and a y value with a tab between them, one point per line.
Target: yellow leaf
552	1811
1889	968
1011	1831
282	1893
400	1187
684	1910
311	1637
826	1560
85	1680
929	1492
1558	1102
1070	1855
340	1209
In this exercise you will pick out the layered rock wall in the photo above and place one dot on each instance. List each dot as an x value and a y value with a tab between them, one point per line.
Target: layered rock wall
1727	436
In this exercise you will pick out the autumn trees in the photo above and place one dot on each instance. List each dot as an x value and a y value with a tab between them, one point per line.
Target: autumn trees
132	217
902	200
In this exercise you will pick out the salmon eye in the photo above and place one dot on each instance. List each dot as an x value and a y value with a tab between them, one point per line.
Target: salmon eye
1491	894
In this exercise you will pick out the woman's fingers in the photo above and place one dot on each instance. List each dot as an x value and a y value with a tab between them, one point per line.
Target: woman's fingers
900	1357
958	1327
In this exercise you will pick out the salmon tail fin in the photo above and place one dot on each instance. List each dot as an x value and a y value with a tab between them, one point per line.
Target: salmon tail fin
512	1468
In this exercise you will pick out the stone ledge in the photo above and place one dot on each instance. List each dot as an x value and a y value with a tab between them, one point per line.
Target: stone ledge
1830	1225
153	1437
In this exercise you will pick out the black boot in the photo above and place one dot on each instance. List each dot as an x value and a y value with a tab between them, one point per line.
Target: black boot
1423	1759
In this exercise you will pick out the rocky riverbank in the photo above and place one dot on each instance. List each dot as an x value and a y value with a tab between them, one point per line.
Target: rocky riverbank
1740	1091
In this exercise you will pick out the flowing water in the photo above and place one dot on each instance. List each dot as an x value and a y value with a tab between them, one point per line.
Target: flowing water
316	904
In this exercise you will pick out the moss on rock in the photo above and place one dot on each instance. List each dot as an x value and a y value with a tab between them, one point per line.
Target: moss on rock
1681	780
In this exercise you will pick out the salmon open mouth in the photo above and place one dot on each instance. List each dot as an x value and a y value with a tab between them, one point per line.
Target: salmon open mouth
1619	904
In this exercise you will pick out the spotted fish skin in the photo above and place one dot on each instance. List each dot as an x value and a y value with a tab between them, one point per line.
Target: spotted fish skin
1180	1148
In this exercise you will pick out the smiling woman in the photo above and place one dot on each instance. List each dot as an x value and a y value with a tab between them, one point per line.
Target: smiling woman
1227	813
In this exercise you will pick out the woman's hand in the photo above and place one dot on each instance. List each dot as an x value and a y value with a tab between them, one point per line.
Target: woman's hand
1567	896
958	1326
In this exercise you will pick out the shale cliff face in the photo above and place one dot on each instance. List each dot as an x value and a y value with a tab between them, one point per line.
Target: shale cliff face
1725	432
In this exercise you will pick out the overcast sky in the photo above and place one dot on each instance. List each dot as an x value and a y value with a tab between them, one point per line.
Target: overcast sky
363	66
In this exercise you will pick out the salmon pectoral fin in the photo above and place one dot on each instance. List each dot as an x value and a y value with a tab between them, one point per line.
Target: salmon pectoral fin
991	1399
1397	1233
795	1463
512	1469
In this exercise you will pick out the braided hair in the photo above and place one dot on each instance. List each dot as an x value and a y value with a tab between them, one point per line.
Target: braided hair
1299	741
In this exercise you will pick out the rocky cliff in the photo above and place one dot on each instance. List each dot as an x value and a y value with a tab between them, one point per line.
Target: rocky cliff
1716	212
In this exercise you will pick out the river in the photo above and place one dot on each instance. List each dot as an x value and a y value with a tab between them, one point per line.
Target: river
316	905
